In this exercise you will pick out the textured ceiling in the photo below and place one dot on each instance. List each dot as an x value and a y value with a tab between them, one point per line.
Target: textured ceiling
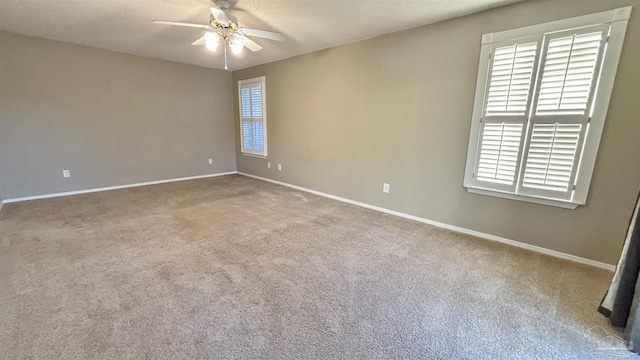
309	25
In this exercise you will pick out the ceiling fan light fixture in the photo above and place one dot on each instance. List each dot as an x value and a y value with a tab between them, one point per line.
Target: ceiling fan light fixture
236	43
211	41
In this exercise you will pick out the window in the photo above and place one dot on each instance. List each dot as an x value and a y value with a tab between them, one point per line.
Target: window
541	102
253	116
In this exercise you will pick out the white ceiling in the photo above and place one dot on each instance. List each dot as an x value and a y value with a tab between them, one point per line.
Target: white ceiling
309	25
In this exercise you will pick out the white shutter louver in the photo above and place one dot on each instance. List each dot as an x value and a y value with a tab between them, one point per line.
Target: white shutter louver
551	156
499	150
569	71
257	136
507	101
245	107
256	101
510	80
247	137
245	103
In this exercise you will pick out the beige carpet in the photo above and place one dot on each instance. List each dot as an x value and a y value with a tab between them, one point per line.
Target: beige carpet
233	267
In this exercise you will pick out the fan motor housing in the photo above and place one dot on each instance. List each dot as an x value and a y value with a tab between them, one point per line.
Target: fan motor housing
223	4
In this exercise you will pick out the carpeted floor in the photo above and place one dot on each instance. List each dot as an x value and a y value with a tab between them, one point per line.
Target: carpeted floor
236	268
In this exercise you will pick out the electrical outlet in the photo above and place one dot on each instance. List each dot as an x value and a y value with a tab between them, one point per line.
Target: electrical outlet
279	167
385	188
210	161
66	173
268	165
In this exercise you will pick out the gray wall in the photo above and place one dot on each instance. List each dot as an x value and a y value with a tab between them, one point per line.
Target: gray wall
1	192
397	109
109	118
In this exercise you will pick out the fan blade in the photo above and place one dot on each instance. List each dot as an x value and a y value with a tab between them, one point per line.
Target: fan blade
199	41
263	34
222	17
173	23
219	14
251	45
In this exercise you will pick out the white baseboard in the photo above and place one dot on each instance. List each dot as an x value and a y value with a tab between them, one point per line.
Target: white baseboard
459	229
78	192
1	205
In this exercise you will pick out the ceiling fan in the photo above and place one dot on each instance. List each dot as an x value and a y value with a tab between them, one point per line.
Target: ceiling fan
223	27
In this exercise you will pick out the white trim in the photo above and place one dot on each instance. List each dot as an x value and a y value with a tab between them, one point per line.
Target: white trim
527	198
459	229
254	155
107	188
601	106
476	116
615	15
1	205
255	80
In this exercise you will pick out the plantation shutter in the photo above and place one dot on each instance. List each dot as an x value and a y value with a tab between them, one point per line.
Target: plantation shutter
245	106
570	66
507	102
252	118
256	117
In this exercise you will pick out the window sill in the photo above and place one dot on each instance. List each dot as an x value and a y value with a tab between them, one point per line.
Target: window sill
536	200
254	155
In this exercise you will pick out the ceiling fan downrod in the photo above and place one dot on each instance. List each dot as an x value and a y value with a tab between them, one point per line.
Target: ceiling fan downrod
225	56
222	4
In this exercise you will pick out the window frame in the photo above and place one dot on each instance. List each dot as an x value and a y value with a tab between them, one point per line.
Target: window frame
241	83
617	19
